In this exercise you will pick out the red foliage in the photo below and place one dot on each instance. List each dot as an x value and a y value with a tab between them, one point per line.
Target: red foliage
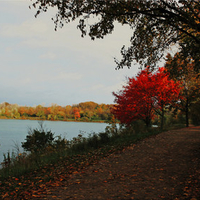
143	95
76	113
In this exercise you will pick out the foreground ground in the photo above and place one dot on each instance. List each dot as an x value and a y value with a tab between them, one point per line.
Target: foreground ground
165	166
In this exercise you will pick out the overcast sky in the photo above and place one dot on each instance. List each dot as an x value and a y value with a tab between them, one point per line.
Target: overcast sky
41	66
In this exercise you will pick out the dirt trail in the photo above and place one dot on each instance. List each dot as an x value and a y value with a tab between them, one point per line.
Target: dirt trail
165	166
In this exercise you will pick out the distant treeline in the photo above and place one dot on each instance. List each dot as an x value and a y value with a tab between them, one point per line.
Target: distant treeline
86	111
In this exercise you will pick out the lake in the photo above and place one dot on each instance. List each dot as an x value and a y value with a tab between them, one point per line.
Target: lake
13	132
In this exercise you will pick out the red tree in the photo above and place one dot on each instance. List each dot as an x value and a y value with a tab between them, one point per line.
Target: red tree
143	95
76	113
167	91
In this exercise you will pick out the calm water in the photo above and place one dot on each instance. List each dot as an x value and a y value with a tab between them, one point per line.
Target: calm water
13	132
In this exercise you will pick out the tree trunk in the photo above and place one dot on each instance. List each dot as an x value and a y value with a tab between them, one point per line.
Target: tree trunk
162	118
187	113
148	122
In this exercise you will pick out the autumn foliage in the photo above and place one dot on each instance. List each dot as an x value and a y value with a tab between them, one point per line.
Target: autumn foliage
85	111
144	95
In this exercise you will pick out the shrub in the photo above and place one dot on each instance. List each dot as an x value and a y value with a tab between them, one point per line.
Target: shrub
60	144
104	137
38	140
195	113
93	141
138	126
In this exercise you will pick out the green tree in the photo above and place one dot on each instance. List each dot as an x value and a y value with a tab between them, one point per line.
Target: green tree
156	24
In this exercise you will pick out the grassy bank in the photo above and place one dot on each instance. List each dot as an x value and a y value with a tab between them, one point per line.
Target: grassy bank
29	174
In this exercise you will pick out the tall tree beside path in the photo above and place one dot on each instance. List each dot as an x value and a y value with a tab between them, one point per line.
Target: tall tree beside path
183	70
145	95
156	24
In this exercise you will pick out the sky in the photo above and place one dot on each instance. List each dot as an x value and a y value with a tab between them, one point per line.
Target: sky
41	66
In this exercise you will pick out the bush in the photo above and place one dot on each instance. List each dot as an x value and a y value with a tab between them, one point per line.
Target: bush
137	126
38	140
93	141
104	137
195	113
60	144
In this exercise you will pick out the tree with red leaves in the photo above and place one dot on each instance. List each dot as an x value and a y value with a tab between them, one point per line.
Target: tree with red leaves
145	94
167	91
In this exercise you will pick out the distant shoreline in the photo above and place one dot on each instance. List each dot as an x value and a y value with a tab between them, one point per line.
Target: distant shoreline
64	120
